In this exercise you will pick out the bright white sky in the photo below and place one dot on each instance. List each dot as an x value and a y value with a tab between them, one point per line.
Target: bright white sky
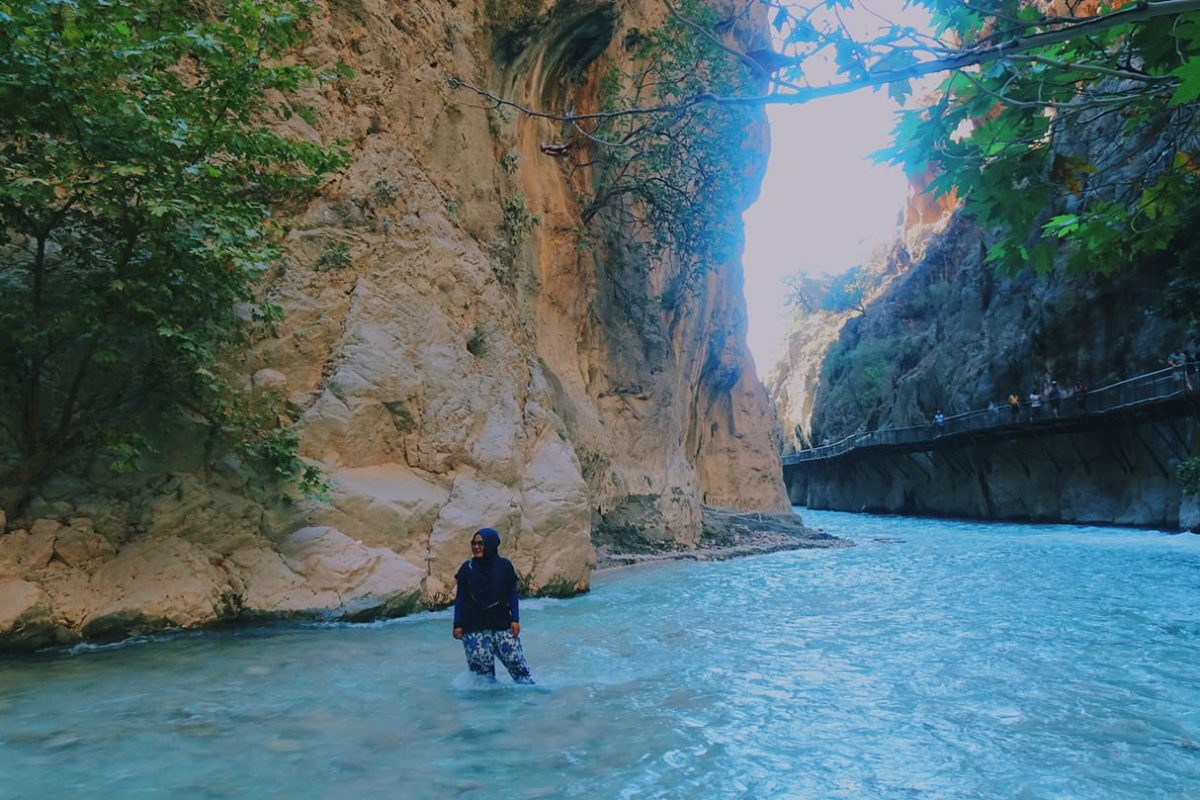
824	204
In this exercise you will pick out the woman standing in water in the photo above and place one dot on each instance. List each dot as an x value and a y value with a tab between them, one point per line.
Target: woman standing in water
486	612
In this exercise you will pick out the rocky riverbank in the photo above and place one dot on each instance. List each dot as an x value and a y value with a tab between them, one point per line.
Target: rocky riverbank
729	533
61	582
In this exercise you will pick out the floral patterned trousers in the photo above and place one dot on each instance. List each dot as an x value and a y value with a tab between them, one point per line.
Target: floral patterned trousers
482	648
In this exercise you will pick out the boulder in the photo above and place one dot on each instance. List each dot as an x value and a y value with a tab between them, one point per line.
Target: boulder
12	552
268	380
42	536
556	521
320	571
26	617
157	584
1189	513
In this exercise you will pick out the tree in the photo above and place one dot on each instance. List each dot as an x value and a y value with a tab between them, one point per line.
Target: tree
650	172
806	294
139	175
1088	141
851	290
847	291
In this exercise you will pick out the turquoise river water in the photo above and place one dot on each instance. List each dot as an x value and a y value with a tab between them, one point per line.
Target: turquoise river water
937	659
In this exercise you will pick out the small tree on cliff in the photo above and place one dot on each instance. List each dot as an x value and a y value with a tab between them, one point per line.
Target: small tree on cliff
674	185
138	176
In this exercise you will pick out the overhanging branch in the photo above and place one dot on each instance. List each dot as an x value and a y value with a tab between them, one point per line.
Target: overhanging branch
1064	29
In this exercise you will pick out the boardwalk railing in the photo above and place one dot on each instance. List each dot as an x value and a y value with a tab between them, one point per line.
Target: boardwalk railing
1152	387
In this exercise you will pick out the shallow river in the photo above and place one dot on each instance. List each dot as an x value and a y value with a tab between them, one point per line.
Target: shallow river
936	659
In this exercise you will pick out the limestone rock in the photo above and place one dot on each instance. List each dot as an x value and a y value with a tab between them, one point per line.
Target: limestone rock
978	479
555	522
268	380
17	600
1189	513
320	571
78	544
386	505
474	503
448	365
12	552
41	545
190	507
155	585
26	620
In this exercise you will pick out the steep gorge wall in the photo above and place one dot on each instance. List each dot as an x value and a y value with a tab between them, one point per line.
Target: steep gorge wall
1121	475
454	354
951	334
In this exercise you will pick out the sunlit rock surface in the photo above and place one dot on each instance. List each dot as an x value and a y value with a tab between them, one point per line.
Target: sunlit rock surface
450	360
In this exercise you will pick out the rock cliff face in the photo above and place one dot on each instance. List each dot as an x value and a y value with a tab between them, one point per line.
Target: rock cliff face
951	334
796	377
454	354
1118	476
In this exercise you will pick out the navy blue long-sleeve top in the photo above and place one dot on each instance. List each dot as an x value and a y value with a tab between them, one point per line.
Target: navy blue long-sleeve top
468	613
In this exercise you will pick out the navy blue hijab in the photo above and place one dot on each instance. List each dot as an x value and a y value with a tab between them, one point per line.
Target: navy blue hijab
485	578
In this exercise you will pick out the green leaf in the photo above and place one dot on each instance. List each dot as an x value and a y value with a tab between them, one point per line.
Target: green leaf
1062	225
894	61
802	32
1189	82
899	91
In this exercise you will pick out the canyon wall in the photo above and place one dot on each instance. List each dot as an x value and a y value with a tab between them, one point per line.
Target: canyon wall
1121	474
950	333
456	352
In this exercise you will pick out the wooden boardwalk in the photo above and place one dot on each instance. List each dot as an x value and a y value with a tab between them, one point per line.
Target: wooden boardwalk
1156	396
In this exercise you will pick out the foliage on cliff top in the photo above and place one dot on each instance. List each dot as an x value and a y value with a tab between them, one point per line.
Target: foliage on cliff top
847	291
139	175
1188	472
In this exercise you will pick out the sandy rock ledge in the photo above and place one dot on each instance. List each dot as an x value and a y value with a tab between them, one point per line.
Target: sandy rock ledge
63	583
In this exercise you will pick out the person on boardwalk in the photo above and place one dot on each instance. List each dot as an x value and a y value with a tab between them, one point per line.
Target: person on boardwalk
486	610
1035	405
1014	405
1178	362
1052	396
